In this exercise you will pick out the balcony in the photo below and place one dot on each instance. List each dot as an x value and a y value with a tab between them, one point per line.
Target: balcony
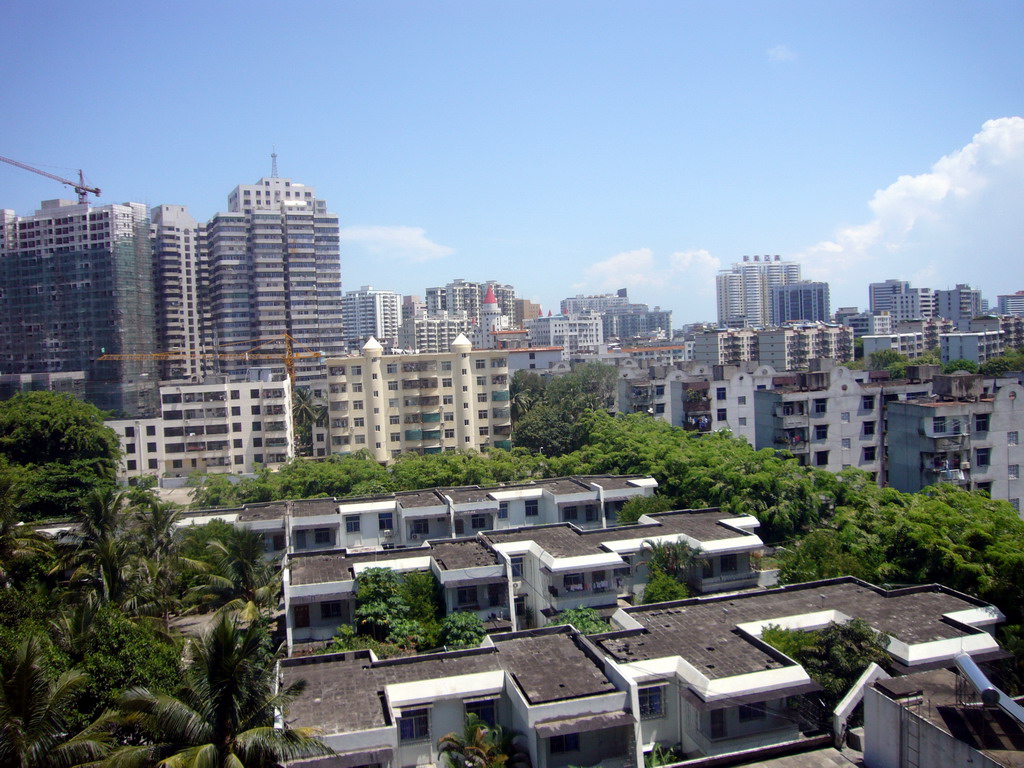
505	445
414	434
431	434
500	396
702	405
430	418
500	413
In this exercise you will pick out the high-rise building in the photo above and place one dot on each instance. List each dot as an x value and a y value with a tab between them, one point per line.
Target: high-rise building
434	333
881	295
464	296
961	304
275	269
369	313
914	304
800	302
181	277
583	332
525	310
744	290
1010	304
597	303
76	283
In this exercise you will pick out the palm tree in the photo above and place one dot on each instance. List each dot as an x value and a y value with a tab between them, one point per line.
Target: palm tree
33	714
479	746
17	540
675	558
307	411
242	579
222	716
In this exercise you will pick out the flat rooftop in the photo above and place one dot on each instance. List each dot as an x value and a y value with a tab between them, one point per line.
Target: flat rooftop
345	691
703	630
566	540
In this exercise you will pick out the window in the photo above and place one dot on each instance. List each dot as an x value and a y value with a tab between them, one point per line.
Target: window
1013	472
322	535
532	507
567	742
867	403
869	453
721	414
1015	503
480	365
741	400
482	414
590	513
573	582
845	417
130	464
1012	438
720	393
446	365
484	431
414	725
481	397
446	382
820	406
449	416
392	386
447	399
301	615
394	419
420	527
517	567
751	712
652	702
386	521
502	510
821	432
481	381
981	422
357	405
357	387
846	443
569	513
477	522
983	456
869	429
939	425
449	434
821	458
357	370
743	421
466	596
359	421
129	431
484	709
717	723
352	523
255	410
395	437
729	564
330	609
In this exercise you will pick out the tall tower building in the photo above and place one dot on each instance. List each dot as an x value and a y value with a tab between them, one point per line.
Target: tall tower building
882	296
961	305
76	282
181	283
275	269
744	290
369	313
464	296
803	301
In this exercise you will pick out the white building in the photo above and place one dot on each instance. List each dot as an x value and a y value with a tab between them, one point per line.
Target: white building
433	333
370	313
960	304
595	303
1010	304
882	296
427	403
910	344
466	296
583	332
744	290
209	428
978	347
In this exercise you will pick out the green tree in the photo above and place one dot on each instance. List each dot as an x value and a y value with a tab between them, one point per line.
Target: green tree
35	712
308	411
662	588
585	620
637	506
462	629
479	746
241	578
883	358
212	491
960	365
673	558
526	389
222	715
379	601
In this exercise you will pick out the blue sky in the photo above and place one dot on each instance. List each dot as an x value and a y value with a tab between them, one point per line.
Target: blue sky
563	147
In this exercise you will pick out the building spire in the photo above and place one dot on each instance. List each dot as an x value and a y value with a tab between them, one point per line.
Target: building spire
273	163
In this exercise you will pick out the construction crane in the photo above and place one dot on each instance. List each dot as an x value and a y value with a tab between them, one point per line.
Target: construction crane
288	357
80	187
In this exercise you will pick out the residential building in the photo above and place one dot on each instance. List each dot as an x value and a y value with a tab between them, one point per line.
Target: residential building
909	344
960	304
882	296
275	269
1010	328
583	332
725	347
181	282
959	433
209	428
465	296
744	290
433	333
693	673
867	323
427	403
1010	304
788	348
595	303
533	358
77	283
929	328
370	313
800	302
978	347
914	304
524	310
637	321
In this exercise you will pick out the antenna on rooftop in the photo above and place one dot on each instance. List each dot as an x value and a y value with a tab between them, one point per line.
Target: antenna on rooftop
273	163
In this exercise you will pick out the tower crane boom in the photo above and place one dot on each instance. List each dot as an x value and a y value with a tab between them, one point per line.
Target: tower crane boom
80	186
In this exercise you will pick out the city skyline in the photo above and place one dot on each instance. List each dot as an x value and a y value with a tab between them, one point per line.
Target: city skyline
564	150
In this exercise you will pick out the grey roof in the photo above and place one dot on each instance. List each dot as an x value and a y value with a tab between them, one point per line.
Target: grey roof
426	498
344	692
269	511
339	565
308	507
702	630
462	553
469	495
563	485
567	540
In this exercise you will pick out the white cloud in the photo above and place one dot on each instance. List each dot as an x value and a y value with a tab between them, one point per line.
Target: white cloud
658	279
628	269
781	53
400	243
959	222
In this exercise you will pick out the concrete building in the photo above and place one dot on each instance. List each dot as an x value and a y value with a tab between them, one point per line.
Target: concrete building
959	434
583	332
910	344
77	283
725	347
370	313
881	296
1010	304
433	333
744	290
788	348
930	329
637	321
914	304
427	403
182	282
533	358
466	296
595	303
524	310
275	269
978	347
209	428
960	304
865	323
800	302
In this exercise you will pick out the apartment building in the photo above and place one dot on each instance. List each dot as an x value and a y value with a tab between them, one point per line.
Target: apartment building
959	433
960	305
800	302
882	296
865	323
371	313
434	333
784	349
978	347
929	328
467	296
594	303
832	419
575	333
77	283
427	403
693	673
218	426
744	290
1010	304
909	344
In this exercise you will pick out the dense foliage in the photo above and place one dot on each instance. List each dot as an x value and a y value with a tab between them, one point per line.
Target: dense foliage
585	620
